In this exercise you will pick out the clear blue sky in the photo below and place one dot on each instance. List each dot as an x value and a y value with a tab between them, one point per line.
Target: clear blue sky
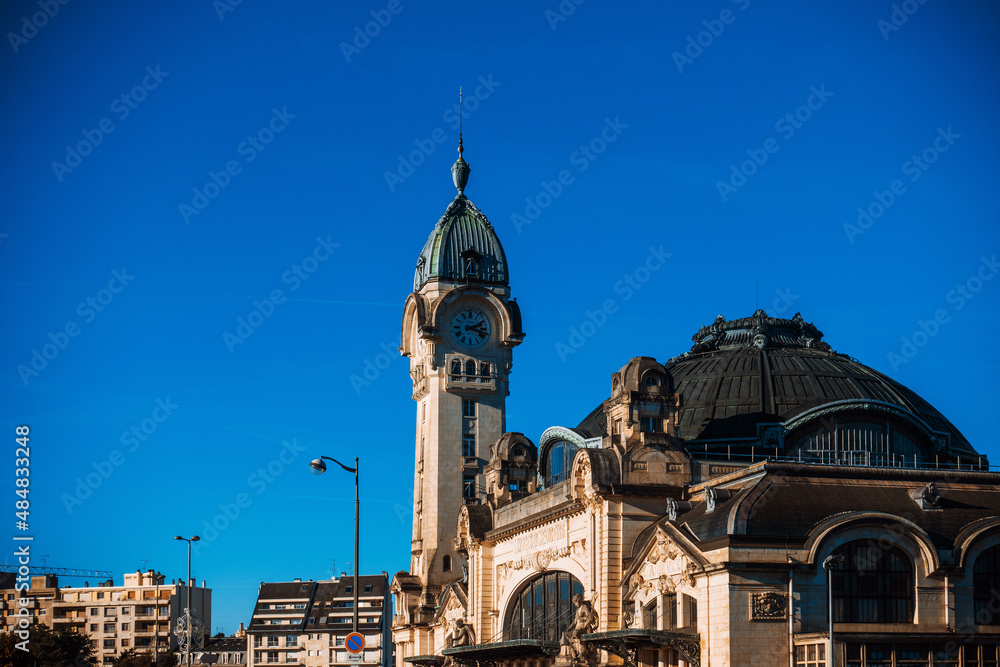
328	122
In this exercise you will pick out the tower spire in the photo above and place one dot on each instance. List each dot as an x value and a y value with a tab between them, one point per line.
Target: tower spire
460	170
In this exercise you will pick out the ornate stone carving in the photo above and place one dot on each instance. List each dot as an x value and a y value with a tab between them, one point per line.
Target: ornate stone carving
928	497
572	649
539	560
768	606
665	569
711	499
462	634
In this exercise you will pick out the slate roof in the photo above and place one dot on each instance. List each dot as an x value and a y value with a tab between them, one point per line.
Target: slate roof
319	598
789	502
760	369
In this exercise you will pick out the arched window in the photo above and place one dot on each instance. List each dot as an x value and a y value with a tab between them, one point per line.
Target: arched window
446	563
456	369
986	587
558	461
543	609
484	371
470	369
517	451
652	381
873	584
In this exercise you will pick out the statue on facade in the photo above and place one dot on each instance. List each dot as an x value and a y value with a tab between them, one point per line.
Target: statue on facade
462	634
572	649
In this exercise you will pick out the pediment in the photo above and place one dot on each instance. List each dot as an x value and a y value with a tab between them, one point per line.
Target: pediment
453	603
666	564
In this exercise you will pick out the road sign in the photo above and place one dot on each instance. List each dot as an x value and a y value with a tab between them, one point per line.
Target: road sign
354	642
354	657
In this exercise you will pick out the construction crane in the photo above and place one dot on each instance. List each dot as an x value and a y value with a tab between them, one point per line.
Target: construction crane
61	571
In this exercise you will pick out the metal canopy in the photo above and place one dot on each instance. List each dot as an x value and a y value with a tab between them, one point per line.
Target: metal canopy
626	643
425	660
514	649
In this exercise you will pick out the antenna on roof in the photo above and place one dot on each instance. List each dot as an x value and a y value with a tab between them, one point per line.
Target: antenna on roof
757	295
459	121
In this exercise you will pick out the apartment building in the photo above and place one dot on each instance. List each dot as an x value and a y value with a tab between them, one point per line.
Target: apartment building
306	622
141	613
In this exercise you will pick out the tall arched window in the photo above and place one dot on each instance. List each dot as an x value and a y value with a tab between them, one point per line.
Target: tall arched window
986	587
543	609
874	584
558	461
470	369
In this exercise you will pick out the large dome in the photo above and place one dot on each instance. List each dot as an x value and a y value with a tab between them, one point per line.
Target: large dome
742	374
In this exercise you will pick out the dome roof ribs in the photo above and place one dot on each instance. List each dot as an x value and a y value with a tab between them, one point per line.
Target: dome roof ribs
757	378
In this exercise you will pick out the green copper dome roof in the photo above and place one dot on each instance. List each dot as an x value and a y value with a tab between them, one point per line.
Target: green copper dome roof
463	247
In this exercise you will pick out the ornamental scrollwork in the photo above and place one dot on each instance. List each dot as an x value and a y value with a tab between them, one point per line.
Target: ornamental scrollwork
768	606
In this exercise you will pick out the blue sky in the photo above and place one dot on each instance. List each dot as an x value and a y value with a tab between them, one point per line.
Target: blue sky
183	164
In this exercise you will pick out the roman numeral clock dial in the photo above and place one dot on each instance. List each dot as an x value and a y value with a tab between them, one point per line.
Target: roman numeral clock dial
470	327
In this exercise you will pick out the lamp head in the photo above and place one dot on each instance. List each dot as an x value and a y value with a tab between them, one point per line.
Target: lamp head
831	560
318	466
178	537
195	538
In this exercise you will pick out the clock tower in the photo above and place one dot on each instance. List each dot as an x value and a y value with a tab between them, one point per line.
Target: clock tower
460	327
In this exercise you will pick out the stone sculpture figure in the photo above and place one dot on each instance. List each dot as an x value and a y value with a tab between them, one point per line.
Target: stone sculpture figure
463	634
572	648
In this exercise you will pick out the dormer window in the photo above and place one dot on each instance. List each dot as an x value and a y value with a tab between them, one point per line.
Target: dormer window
652	381
470	261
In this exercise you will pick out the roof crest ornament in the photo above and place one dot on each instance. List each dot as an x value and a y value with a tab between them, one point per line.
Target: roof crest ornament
460	170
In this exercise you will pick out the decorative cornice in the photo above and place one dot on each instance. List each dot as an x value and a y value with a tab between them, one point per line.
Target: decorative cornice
758	331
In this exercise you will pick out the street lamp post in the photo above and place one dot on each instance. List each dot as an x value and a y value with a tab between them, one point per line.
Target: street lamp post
828	565
187	612
318	467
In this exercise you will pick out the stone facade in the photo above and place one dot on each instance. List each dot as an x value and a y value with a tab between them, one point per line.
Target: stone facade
706	513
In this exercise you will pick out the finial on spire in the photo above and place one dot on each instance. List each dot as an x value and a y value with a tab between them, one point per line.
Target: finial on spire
460	170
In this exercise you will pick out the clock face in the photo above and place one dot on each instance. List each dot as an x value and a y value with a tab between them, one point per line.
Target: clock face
470	327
